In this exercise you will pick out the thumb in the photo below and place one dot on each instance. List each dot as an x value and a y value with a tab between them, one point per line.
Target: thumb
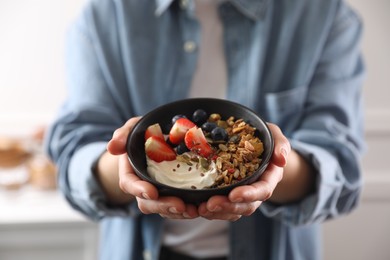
117	144
282	146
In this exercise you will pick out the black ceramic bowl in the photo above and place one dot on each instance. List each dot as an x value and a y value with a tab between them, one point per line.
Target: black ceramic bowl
163	115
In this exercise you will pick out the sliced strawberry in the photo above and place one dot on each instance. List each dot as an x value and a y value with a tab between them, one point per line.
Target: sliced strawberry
179	130
196	142
154	130
158	150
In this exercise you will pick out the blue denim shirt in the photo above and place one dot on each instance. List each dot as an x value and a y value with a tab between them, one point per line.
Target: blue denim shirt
296	63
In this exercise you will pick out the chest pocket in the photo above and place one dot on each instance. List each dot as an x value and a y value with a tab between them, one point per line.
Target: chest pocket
285	108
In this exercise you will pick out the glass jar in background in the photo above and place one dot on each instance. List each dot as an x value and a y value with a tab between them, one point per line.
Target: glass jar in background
23	162
42	171
13	157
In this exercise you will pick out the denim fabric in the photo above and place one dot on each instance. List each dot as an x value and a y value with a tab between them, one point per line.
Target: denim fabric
296	63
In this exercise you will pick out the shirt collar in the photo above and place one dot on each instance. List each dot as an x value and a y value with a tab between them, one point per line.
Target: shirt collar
254	9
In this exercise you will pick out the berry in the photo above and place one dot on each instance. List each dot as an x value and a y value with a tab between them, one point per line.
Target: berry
174	119
169	142
208	126
182	148
199	117
158	150
179	129
154	130
219	134
196	142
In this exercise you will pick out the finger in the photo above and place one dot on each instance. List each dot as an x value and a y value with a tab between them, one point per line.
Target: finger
282	146
190	212
218	214
117	144
233	211
130	183
210	215
227	217
215	203
260	190
222	205
171	207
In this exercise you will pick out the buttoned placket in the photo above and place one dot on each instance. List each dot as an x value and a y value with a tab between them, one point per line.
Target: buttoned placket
183	4
190	32
237	40
189	45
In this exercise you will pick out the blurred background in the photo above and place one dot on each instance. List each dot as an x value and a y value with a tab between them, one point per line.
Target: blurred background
36	222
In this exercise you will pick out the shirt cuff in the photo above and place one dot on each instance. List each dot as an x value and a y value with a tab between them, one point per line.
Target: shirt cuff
85	191
320	205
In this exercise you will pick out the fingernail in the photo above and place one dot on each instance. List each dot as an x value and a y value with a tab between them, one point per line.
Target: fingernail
173	210
185	214
237	200
145	196
115	134
216	209
284	153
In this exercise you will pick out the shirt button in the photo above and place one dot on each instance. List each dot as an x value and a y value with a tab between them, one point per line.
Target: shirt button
147	255
189	46
183	4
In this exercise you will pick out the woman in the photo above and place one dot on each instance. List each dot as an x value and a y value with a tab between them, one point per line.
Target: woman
296	63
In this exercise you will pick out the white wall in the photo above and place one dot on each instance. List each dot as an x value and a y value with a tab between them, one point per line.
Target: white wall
32	81
365	233
32	86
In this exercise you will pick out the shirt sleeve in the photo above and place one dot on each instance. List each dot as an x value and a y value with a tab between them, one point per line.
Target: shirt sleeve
86	121
330	135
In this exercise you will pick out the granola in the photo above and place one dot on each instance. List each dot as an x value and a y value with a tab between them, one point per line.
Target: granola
239	156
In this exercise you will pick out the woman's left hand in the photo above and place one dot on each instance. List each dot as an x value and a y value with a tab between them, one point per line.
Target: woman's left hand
244	200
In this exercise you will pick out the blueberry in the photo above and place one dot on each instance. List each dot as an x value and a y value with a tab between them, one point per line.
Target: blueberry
170	143
181	148
177	117
208	126
199	117
219	134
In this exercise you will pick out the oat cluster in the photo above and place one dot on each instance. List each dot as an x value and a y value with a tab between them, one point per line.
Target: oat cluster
239	156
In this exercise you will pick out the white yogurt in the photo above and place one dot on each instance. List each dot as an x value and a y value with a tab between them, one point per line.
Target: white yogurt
181	175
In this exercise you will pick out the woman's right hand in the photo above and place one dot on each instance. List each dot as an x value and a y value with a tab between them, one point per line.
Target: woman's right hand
145	193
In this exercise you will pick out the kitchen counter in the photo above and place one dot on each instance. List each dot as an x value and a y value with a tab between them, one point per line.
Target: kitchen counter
40	224
29	205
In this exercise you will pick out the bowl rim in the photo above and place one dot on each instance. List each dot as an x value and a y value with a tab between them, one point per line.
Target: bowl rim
263	165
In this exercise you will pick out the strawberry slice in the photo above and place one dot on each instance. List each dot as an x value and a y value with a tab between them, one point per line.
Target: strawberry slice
154	130
179	130
196	142
158	150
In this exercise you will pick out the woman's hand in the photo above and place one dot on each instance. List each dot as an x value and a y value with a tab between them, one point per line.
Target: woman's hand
108	165
280	183
244	200
145	193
